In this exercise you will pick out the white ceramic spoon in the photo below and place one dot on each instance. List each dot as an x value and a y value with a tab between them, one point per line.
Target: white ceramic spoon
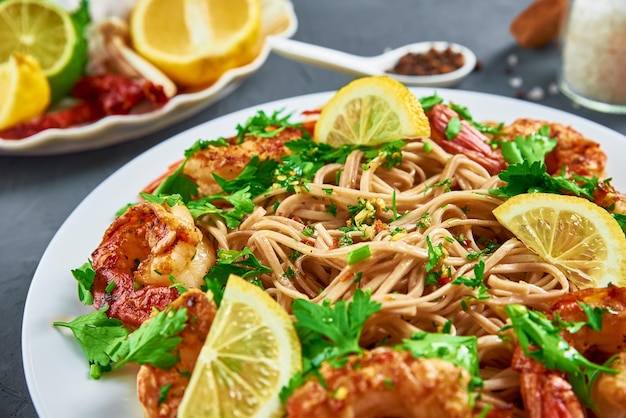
359	66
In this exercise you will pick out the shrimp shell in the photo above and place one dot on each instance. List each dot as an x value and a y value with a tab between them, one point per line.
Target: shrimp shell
142	253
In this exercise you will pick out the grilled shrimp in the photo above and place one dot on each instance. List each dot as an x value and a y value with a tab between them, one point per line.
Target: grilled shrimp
142	253
546	393
469	141
150	380
609	392
575	152
385	383
229	161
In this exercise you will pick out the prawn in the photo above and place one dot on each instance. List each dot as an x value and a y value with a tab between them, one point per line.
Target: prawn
141	254
150	380
574	152
546	393
469	140
385	382
229	161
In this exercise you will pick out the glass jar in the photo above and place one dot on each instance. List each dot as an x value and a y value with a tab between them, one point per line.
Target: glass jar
593	71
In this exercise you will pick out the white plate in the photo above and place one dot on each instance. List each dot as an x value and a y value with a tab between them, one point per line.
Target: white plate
279	19
56	370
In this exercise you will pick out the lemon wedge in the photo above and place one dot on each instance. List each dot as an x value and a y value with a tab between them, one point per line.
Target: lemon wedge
195	41
371	111
25	90
579	237
45	31
251	352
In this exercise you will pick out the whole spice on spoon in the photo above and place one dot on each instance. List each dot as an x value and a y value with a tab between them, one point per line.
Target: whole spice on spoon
431	62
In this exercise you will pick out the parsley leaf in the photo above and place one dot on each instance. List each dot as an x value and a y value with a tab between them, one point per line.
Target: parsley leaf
428	102
435	254
154	341
178	183
478	281
621	220
335	330
465	114
459	350
594	315
453	128
527	177
539	338
85	275
328	333
264	126
241	263
108	345
257	175
99	336
531	148
241	201
171	200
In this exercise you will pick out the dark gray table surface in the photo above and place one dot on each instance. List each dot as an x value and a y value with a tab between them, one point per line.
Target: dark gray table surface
38	193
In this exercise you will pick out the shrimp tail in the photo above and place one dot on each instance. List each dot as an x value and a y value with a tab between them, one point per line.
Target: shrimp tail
546	393
468	141
129	305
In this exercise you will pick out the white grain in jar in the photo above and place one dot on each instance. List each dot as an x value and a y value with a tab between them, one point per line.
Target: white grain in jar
594	50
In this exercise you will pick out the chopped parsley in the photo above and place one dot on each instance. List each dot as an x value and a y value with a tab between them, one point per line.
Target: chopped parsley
435	254
465	114
163	392
454	127
428	102
478	281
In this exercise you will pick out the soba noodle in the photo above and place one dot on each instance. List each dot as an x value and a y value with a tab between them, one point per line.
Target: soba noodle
431	196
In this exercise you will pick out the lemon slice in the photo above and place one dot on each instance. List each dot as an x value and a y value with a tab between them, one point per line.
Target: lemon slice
195	41
45	31
25	90
251	352
370	111
579	237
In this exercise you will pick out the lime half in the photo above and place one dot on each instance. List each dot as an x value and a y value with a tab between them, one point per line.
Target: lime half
48	33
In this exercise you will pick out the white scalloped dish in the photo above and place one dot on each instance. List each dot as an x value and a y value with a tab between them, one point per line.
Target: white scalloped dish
279	19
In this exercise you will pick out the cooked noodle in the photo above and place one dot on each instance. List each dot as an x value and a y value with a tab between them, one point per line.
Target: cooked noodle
435	195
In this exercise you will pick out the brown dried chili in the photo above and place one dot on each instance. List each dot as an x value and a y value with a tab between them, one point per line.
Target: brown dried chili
431	62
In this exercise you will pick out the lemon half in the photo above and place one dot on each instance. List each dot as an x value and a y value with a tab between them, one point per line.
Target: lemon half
579	237
371	111
25	90
195	41
251	352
